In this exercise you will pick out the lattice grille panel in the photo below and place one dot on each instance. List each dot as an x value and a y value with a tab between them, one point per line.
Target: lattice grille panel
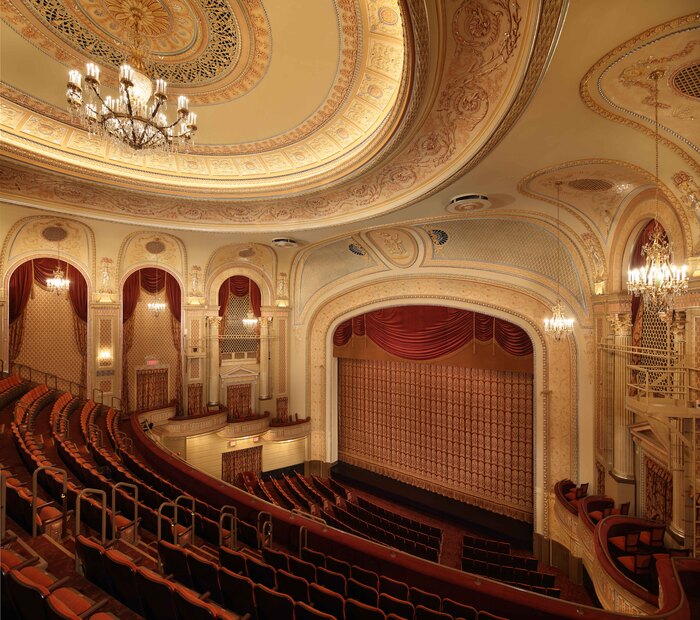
517	244
194	369
654	336
464	433
105	340
237	338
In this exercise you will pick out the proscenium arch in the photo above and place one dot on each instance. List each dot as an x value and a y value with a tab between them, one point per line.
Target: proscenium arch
551	364
11	267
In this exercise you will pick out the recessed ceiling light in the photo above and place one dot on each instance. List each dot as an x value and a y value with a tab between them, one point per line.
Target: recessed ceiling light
468	202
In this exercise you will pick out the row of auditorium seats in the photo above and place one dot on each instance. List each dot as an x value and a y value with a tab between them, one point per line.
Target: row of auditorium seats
477	542
11	388
502	559
381	535
324	582
397	518
395	528
143	590
509	574
29	591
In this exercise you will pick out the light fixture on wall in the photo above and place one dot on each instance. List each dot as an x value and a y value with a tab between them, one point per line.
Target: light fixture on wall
136	116
250	320
58	283
157	305
659	281
558	324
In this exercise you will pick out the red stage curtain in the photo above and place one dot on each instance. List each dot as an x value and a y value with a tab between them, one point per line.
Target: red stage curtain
343	333
131	293
428	332
152	279
224	292
419	332
20	288
512	339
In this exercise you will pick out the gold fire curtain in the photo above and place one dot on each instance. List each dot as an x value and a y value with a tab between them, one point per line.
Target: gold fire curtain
236	462
461	432
151	388
658	504
238	401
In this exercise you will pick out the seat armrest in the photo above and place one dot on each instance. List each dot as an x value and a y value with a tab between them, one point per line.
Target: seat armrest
91	610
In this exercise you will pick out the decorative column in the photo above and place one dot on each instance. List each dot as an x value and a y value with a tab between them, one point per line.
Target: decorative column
677	525
623	449
213	323
264	380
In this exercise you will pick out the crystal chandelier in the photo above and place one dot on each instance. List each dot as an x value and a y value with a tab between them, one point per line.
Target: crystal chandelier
58	283
157	305
136	116
659	281
558	324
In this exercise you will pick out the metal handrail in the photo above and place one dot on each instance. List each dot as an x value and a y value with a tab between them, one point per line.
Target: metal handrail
192	513
308	515
135	498
303	538
102	395
95	430
103	527
72	385
64	495
230	512
261	528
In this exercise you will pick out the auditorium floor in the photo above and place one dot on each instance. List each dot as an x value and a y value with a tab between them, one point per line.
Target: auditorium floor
452	544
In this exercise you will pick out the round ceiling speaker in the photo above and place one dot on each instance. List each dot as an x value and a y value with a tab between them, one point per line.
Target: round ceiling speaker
284	242
468	202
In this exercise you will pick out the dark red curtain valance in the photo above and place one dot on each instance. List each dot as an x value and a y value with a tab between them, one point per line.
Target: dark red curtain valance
41	269
428	332
152	280
239	286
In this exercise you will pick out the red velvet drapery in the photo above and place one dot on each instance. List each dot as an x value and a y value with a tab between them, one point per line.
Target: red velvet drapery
239	286
21	282
40	269
428	332
152	280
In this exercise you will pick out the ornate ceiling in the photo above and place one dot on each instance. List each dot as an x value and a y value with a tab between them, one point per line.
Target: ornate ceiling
344	109
323	117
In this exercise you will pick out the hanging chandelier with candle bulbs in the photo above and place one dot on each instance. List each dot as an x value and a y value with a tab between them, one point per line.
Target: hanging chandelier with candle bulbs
659	281
157	305
136	115
58	282
558	324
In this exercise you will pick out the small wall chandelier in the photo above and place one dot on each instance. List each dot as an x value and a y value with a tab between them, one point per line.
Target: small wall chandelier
58	283
136	116
250	320
659	281
157	305
558	324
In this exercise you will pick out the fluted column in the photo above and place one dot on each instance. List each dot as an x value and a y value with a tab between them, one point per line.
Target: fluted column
213	323
623	449
264	358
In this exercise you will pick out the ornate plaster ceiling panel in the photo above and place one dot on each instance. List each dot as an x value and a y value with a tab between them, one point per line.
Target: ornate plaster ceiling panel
329	263
368	158
529	247
619	86
595	189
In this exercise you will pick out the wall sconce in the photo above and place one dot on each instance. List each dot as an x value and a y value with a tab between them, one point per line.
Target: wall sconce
105	355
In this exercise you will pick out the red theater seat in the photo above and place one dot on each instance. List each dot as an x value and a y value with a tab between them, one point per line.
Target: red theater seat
238	592
273	605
